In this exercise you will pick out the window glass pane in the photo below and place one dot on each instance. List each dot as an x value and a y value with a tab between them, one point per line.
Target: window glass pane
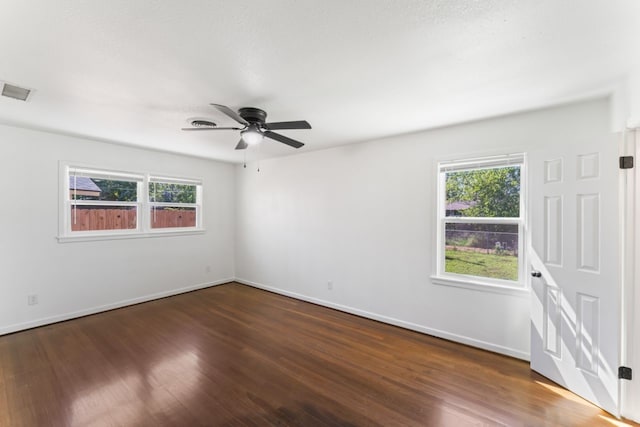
170	217
172	193
484	250
493	192
87	188
91	218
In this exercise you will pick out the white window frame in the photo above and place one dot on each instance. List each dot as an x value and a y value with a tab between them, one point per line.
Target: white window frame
441	277
143	204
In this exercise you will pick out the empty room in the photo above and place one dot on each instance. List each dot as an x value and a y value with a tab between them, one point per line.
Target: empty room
319	213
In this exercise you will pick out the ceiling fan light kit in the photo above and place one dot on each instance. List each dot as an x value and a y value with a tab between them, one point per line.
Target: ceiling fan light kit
254	127
252	135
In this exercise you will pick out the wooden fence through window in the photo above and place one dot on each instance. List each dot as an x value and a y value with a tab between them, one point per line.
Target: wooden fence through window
85	218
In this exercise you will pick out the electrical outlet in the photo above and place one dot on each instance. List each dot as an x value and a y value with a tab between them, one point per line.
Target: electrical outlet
330	285
32	299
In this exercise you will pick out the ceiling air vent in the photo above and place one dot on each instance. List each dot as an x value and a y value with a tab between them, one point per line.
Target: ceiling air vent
15	92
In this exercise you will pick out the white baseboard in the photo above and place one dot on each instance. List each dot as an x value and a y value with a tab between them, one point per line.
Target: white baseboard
396	322
93	310
385	319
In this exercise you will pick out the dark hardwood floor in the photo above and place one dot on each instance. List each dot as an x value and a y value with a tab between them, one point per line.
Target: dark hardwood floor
234	355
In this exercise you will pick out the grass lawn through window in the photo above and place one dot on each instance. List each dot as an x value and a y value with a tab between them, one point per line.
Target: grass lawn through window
481	264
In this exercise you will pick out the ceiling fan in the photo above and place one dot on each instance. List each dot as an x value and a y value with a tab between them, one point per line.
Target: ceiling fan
254	128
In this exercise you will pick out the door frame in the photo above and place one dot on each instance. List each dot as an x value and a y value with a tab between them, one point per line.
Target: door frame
630	292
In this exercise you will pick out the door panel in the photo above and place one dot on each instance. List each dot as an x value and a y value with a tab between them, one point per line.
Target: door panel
575	315
553	230
553	321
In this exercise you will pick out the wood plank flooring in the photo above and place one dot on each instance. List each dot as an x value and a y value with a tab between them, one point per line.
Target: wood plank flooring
232	355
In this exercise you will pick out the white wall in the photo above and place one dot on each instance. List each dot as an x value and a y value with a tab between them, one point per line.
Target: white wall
363	216
633	120
77	278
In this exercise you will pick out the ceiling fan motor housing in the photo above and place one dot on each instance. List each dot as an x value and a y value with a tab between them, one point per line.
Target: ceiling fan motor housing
253	115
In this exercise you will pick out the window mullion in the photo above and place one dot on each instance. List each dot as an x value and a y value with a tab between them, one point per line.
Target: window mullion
175	205
102	203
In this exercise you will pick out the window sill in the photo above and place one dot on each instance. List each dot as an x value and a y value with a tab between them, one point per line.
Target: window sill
476	285
135	235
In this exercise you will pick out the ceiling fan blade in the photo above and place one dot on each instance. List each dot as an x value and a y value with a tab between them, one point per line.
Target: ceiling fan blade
300	124
229	112
241	145
211	128
284	139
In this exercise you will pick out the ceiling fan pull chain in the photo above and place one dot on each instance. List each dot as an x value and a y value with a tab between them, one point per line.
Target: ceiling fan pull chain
245	159
259	150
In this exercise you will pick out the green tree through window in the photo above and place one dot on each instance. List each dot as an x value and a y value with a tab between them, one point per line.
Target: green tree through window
172	193
488	192
121	191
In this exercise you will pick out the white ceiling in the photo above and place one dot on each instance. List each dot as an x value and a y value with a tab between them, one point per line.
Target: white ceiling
133	71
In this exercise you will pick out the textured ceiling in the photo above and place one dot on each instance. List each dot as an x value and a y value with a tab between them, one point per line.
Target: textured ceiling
133	71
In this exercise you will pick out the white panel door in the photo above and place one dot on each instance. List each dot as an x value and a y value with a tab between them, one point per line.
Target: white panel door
575	314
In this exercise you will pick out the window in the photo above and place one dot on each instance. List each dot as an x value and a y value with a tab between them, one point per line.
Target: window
481	220
101	200
118	204
173	203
